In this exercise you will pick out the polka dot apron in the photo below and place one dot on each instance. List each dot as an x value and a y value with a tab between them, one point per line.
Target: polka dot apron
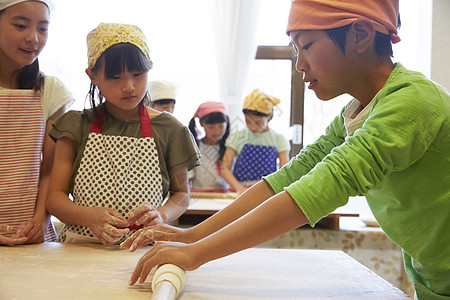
118	172
255	161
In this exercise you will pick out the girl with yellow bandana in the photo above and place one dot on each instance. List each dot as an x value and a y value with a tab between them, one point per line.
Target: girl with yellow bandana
258	149
390	144
120	159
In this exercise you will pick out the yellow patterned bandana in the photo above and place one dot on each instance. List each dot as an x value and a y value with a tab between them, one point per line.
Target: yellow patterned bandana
260	102
109	34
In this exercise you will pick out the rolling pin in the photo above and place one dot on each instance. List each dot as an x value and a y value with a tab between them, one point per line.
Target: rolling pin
167	282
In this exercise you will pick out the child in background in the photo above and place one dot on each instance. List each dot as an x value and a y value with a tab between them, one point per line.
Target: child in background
162	95
257	146
120	158
390	143
214	120
29	104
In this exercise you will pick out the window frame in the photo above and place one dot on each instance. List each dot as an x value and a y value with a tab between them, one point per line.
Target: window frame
297	87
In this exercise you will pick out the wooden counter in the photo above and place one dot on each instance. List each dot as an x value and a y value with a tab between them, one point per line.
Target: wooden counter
64	271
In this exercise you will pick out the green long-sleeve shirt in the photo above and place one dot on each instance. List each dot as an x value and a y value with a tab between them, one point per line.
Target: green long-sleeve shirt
399	158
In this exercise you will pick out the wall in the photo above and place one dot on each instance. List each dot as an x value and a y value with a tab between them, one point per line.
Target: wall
440	53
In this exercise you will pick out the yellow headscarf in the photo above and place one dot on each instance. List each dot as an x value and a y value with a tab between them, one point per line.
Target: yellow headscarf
328	14
109	34
260	102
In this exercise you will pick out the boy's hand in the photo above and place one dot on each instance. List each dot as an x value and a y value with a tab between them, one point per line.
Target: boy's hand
161	232
183	255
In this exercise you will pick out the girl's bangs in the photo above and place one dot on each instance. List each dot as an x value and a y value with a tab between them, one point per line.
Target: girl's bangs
124	57
215	118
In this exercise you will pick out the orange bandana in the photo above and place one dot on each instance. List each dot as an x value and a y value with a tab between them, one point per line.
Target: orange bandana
328	14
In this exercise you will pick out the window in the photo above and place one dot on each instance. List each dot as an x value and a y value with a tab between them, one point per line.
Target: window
182	51
179	44
274	72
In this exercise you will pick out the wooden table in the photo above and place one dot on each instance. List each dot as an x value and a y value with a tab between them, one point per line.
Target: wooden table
65	271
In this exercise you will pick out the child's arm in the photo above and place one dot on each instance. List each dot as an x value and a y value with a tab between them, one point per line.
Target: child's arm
251	198
225	169
101	220
284	158
178	200
275	216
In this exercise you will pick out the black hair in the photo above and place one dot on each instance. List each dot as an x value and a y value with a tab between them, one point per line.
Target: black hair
116	60
255	113
30	77
163	101
212	118
383	45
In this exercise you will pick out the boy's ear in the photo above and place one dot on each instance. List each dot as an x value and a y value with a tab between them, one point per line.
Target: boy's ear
364	34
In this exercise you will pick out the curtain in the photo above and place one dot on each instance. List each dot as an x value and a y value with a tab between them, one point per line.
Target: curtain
234	26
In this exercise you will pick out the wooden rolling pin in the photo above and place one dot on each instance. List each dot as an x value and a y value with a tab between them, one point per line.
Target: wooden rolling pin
167	282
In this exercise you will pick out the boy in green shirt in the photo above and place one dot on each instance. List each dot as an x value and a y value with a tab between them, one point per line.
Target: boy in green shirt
391	144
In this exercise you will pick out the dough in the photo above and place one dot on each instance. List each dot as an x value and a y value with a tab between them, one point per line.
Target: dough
171	273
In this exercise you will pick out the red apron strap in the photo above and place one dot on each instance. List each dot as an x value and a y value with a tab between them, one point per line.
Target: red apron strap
219	169
146	125
97	124
145	121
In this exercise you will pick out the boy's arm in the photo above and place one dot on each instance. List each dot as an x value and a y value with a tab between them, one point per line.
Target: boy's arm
255	195
275	216
250	199
308	157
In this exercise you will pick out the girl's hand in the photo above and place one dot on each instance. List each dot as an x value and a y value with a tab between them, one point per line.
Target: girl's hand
33	230
183	255
103	223
8	236
144	215
161	232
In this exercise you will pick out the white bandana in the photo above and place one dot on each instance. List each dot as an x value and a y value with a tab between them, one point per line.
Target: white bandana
7	3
